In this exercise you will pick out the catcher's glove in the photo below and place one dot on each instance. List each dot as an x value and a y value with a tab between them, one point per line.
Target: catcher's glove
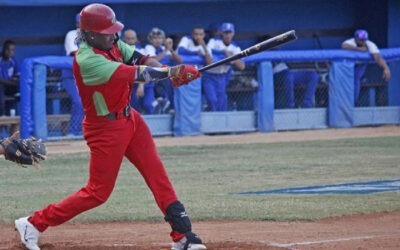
24	151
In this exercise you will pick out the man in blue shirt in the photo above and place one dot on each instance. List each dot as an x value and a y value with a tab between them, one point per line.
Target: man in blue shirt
9	74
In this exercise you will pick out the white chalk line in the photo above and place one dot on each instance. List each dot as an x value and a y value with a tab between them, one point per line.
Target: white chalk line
135	245
290	245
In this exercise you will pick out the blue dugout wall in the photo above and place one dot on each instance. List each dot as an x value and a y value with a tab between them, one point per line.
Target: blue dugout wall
40	26
189	120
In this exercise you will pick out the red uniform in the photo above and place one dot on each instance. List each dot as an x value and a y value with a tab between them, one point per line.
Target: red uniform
104	75
105	84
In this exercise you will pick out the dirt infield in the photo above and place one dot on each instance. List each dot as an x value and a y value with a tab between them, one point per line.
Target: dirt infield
373	231
369	231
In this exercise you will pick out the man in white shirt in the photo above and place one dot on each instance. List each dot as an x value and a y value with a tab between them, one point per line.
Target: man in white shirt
361	43
215	80
68	82
160	48
70	43
195	45
130	38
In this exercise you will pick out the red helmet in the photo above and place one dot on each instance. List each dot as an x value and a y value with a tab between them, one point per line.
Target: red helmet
99	18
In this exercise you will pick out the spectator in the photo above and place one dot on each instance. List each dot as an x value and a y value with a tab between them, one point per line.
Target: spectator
142	96
361	43
71	45
195	45
161	48
213	31
130	38
9	74
289	78
217	79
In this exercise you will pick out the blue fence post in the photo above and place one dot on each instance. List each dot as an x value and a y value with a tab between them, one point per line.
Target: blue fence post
265	96
39	101
187	102
394	84
341	94
26	83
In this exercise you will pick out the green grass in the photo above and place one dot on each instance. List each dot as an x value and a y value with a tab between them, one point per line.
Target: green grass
206	176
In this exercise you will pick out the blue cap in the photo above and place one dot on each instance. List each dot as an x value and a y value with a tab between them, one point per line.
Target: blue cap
361	35
78	18
225	27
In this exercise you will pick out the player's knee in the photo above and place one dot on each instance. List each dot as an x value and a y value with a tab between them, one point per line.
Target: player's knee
100	195
178	218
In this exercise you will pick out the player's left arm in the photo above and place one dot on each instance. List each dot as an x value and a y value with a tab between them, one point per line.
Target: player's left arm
179	75
134	57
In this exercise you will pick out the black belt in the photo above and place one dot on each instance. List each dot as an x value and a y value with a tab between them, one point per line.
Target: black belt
121	114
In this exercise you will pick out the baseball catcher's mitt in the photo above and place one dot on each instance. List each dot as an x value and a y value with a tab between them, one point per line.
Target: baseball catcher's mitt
23	151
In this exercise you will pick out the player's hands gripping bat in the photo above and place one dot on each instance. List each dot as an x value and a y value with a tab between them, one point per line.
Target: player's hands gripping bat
183	74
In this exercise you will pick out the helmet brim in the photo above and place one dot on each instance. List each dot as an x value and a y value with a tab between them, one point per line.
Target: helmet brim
115	28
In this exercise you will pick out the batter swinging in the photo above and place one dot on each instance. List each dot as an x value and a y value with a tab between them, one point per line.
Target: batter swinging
105	69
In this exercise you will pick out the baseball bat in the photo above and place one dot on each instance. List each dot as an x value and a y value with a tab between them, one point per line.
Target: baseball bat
264	45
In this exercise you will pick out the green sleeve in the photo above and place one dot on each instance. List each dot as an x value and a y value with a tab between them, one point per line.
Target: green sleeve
127	50
95	69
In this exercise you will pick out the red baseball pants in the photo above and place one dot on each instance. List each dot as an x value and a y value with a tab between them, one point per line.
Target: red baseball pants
109	142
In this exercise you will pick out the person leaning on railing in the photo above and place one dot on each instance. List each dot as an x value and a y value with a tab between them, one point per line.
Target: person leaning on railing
361	43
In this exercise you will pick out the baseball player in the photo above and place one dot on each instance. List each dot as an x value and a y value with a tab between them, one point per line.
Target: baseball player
105	68
361	43
216	80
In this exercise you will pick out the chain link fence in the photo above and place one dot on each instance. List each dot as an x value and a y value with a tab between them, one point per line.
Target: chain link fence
240	92
296	85
242	89
301	85
373	88
63	107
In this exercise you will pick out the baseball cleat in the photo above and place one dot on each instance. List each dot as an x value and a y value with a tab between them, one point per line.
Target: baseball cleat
181	245
28	233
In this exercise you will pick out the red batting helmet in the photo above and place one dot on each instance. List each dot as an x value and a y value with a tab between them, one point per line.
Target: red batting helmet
99	18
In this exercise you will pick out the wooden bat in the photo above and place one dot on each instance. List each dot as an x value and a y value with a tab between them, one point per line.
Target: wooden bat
259	47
